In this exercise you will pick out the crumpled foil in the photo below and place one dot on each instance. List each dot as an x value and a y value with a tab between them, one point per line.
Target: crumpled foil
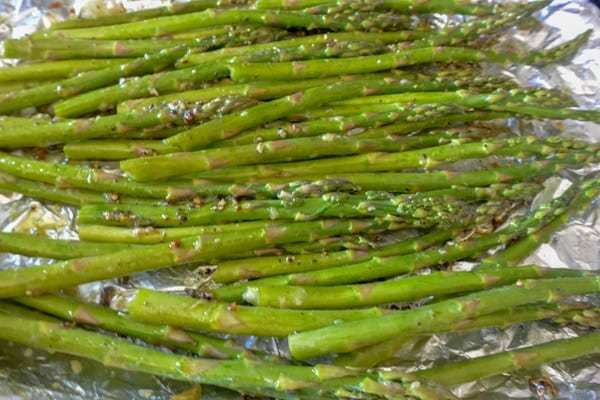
29	374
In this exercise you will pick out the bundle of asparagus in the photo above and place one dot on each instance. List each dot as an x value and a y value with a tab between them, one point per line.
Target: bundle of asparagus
314	170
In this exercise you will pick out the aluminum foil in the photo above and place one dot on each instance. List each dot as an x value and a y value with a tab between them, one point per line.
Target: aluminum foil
29	374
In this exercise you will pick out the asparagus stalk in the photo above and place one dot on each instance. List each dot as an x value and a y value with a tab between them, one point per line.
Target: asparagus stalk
304	43
256	90
388	162
69	87
168	25
203	248
402	58
525	358
28	48
349	336
10	308
412	119
220	317
95	316
287	150
396	290
152	235
552	109
140	15
55	69
31	48
39	246
280	381
61	175
26	135
410	182
420	209
164	82
260	267
371	356
115	150
408	6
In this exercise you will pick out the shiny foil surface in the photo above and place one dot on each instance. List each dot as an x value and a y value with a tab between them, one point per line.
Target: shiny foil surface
30	374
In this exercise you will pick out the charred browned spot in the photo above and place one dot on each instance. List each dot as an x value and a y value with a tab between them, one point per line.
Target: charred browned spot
104	176
175	244
79	264
274	232
241	191
83	316
143	151
298	67
215	164
175	194
470	306
365	290
121	49
81	125
68	324
183	255
370	91
491	279
179	336
525	360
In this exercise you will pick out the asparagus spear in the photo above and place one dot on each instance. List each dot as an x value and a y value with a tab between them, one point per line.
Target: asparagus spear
387	162
55	69
39	246
402	58
62	175
26	135
287	150
371	356
152	235
140	15
280	381
410	182
303	43
31	48
395	290
411	119
28	48
407	6
52	277
525	358
349	336
420	209
260	267
213	316
95	316
168	25
115	150
69	87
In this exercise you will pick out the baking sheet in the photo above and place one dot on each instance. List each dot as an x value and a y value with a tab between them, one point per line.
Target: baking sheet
28	374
